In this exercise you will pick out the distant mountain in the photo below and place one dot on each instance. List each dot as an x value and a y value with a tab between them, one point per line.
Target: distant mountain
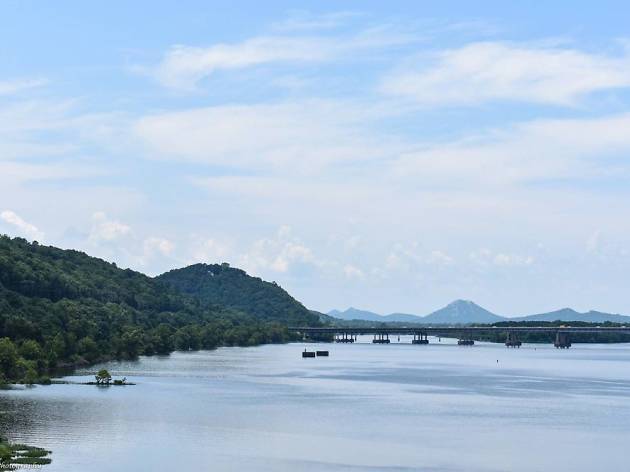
567	314
222	285
403	318
462	312
467	312
458	312
355	314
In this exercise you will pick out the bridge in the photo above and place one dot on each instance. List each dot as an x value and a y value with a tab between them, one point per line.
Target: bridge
464	334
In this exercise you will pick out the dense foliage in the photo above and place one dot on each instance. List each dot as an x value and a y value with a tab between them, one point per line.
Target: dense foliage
62	308
233	288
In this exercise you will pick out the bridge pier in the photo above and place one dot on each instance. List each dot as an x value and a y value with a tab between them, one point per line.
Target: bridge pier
562	340
420	338
465	339
344	338
512	340
381	338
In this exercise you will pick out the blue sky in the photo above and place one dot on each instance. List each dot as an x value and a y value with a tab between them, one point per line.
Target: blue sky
388	155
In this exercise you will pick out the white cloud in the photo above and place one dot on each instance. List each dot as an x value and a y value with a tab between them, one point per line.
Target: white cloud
210	251
154	248
307	21
489	71
412	258
105	229
10	87
281	254
305	134
183	67
153	245
486	257
23	228
533	151
440	258
353	272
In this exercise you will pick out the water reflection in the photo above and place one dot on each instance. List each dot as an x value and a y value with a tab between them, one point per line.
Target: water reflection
396	407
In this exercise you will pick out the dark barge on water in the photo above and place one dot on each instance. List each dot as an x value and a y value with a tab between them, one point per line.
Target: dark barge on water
315	353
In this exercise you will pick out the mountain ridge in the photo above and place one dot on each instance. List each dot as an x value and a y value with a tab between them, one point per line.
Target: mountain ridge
468	312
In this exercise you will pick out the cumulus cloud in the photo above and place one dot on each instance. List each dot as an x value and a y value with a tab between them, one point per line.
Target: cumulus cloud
412	257
282	253
489	71
353	272
105	229
23	228
485	257
209	250
439	258
154	248
153	245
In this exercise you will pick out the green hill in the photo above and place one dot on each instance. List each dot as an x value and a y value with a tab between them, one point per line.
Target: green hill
64	308
233	288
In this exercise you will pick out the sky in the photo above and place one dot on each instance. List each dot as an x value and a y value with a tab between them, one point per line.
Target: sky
392	156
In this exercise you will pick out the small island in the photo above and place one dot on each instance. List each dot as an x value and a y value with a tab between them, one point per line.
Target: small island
13	456
104	379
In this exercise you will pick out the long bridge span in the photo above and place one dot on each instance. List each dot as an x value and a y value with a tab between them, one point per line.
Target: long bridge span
464	334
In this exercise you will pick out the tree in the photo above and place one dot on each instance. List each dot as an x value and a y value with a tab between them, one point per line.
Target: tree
8	358
103	377
31	350
88	349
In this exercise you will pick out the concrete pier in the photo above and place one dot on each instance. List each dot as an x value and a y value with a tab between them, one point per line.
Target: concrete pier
344	338
465	339
381	338
512	340
562	340
420	338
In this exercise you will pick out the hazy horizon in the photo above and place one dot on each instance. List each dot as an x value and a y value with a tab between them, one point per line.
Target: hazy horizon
393	156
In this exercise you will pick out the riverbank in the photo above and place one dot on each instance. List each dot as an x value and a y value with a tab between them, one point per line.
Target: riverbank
14	456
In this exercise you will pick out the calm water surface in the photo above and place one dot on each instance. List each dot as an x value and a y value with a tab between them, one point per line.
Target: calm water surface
368	407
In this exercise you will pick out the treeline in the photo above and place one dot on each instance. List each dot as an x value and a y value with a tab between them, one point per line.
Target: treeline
63	308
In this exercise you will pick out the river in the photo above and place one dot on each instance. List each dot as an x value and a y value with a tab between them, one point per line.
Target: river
393	407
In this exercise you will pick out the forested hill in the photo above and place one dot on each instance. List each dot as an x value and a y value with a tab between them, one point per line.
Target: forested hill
233	288
63	307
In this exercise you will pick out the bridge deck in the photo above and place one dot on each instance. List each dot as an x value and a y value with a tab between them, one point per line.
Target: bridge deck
462	329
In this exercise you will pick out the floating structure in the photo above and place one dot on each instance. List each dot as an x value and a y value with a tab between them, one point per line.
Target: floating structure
308	354
322	353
